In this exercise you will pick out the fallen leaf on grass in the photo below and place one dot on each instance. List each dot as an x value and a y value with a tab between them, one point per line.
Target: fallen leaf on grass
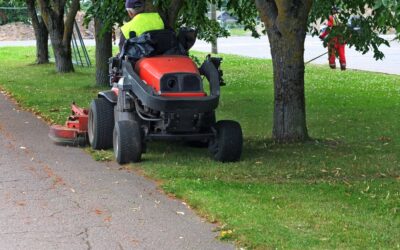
225	234
385	139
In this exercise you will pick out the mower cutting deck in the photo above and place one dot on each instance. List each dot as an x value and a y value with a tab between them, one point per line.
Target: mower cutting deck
74	131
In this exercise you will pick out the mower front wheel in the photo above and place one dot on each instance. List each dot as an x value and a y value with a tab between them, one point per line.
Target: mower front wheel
101	124
227	145
127	142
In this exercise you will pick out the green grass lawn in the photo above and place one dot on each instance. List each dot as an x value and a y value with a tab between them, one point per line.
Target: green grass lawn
340	191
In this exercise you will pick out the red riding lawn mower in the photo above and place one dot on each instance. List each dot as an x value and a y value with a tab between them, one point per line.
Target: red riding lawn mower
157	94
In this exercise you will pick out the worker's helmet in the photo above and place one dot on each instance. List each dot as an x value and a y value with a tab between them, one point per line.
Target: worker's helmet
134	4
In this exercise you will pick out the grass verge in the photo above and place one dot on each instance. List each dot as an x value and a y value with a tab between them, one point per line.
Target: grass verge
340	191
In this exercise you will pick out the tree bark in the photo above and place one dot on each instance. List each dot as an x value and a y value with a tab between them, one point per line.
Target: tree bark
103	53
286	24
214	44
41	34
63	56
60	30
173	12
169	15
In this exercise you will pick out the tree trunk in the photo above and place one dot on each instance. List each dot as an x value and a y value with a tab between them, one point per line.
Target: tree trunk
41	34
62	54
286	25
169	15
289	104
61	48
42	46
60	30
214	44
103	53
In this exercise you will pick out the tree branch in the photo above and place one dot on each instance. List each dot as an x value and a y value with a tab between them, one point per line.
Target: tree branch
173	12
294	9
69	22
268	11
44	8
32	12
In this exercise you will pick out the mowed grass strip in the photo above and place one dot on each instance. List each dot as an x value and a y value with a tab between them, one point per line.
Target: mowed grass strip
341	190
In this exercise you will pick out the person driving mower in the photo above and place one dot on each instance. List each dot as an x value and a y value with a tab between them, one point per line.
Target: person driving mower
140	22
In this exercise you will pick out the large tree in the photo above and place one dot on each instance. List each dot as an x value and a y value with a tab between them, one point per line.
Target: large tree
59	17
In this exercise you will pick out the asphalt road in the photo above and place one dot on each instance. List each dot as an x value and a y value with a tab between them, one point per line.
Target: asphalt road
57	197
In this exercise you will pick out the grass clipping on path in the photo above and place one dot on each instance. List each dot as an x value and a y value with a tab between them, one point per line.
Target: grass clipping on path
340	191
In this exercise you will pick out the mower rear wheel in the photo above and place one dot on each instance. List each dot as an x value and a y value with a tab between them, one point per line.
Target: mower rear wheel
227	145
101	124
127	142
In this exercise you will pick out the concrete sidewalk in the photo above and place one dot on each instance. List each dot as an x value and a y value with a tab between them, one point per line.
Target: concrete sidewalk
56	197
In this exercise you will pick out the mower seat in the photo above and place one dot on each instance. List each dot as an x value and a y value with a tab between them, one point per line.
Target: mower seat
157	42
165	42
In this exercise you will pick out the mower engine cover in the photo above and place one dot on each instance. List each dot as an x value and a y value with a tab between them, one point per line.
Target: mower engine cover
171	76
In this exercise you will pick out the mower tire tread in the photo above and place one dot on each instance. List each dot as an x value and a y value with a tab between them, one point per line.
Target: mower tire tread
227	146
101	124
127	142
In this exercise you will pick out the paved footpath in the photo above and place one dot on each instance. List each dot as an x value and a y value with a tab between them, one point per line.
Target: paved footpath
56	197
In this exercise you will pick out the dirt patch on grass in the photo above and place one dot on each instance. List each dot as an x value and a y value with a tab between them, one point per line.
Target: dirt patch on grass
22	31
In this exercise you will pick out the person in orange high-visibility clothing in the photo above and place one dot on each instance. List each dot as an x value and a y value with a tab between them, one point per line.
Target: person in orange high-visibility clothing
336	45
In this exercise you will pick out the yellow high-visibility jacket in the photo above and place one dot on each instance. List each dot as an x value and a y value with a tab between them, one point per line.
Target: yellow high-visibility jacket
142	23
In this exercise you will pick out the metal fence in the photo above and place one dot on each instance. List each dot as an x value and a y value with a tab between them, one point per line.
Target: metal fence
13	14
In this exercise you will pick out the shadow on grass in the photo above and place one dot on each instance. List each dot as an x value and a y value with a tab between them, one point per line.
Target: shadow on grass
266	161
